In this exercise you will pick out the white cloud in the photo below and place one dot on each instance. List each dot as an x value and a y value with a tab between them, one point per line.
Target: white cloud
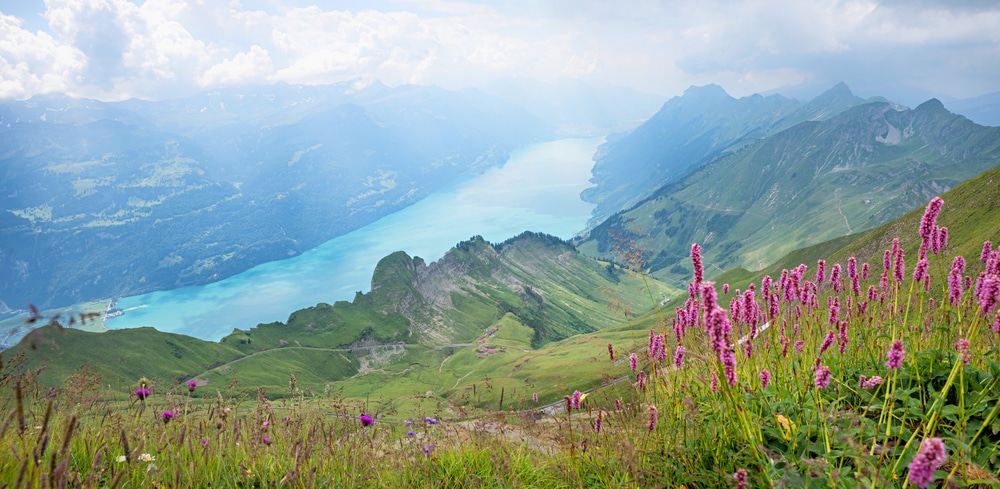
161	48
252	66
33	63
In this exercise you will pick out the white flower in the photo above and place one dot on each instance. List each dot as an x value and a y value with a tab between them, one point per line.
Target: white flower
122	458
146	457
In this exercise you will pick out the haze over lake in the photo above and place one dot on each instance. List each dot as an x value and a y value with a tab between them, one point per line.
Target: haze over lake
538	189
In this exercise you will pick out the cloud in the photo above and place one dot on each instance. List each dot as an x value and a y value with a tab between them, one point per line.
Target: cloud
252	66
161	48
33	63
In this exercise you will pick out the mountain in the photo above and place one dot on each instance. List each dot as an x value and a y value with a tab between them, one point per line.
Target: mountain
804	185
100	200
690	131
535	283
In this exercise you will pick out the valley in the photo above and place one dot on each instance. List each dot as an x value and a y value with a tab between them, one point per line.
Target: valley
538	339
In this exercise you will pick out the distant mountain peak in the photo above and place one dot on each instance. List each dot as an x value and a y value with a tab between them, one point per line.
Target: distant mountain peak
710	91
838	91
932	105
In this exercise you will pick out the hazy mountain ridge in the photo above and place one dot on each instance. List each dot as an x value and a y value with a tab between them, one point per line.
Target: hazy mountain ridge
812	182
692	130
109	199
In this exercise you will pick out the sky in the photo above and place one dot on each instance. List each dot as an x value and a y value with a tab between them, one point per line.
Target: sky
158	49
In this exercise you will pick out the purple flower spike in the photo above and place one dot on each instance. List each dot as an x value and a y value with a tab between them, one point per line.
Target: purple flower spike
822	379
699	272
931	455
896	354
741	478
366	420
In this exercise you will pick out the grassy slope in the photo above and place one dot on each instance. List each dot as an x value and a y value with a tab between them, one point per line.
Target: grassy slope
971	212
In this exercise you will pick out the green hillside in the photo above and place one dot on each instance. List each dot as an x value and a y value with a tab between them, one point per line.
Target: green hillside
518	295
803	186
971	212
692	130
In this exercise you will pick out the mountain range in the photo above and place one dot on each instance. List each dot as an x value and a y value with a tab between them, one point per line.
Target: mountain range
692	130
775	184
103	200
808	183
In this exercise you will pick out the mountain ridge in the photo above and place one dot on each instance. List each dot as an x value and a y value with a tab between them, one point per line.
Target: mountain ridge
806	184
690	131
537	280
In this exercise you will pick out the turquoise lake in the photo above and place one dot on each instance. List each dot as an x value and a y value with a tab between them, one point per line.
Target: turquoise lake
538	189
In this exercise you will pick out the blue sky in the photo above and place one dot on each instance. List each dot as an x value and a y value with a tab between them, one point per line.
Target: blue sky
155	49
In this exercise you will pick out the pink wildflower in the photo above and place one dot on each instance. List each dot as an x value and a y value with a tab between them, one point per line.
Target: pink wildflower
741	479
633	362
931	455
827	342
822	378
927	226
696	262
679	357
896	354
653	416
765	378
962	347
920	270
